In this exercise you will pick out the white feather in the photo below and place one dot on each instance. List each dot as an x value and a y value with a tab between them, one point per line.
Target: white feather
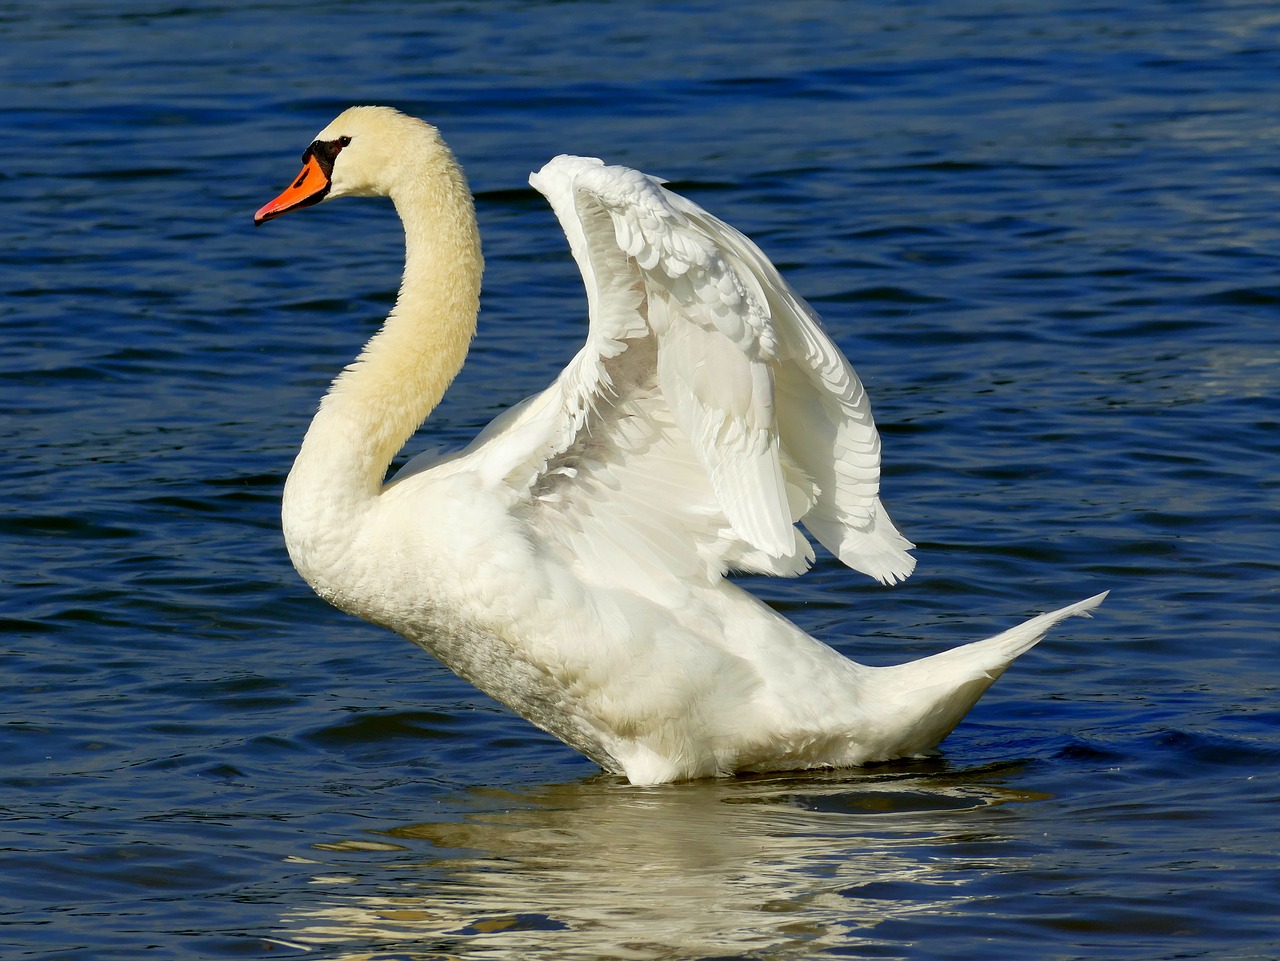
571	561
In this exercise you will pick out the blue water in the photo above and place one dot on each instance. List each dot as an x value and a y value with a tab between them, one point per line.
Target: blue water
1048	240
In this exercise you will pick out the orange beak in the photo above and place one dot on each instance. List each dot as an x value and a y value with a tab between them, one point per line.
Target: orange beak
309	187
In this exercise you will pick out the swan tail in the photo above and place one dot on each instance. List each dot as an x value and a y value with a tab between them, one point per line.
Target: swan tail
928	697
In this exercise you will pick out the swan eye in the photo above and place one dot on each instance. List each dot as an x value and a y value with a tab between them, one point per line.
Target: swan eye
325	152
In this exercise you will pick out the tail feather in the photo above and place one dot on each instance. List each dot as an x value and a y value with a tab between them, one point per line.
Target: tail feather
930	696
1018	640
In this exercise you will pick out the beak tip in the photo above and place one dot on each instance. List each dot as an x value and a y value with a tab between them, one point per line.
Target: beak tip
310	187
264	213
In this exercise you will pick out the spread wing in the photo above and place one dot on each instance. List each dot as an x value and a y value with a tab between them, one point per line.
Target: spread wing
706	414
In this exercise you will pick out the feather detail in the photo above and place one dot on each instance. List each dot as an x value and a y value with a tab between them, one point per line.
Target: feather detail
699	345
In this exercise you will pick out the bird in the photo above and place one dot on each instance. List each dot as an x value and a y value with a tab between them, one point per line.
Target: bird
575	560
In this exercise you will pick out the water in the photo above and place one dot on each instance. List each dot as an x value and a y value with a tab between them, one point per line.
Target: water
1047	239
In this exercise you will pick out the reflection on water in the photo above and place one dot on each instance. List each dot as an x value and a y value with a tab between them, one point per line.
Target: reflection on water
784	864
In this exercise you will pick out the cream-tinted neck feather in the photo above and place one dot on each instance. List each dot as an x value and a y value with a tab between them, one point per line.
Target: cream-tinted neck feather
378	401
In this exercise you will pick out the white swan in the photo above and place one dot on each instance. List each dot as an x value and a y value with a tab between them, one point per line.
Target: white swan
571	561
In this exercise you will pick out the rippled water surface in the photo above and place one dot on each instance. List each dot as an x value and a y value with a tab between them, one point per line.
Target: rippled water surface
1048	241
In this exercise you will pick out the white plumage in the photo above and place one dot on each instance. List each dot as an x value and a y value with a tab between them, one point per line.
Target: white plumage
571	561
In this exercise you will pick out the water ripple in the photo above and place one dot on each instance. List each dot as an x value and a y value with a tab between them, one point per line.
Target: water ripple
1044	235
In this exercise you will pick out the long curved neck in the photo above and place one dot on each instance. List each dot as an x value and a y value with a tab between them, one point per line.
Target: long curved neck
380	399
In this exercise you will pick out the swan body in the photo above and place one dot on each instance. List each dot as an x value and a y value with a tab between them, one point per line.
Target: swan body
571	561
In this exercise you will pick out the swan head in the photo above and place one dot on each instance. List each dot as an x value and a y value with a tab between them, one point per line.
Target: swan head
362	153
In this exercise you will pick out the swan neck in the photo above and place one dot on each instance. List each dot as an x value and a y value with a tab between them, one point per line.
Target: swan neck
380	399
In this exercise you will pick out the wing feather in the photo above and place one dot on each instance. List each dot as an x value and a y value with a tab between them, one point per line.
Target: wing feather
706	414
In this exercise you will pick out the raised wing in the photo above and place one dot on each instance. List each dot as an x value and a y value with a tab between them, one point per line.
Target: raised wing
706	414
824	418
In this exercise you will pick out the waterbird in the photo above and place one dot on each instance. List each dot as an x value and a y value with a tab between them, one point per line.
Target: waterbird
572	562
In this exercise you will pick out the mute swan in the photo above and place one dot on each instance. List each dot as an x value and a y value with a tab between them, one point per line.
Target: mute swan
571	561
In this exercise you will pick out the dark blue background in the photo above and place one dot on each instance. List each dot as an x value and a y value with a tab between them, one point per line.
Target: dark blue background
1046	239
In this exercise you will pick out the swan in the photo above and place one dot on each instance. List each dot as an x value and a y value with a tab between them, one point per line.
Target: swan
571	561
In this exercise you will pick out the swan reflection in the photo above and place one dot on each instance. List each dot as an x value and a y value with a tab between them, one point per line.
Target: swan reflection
594	869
